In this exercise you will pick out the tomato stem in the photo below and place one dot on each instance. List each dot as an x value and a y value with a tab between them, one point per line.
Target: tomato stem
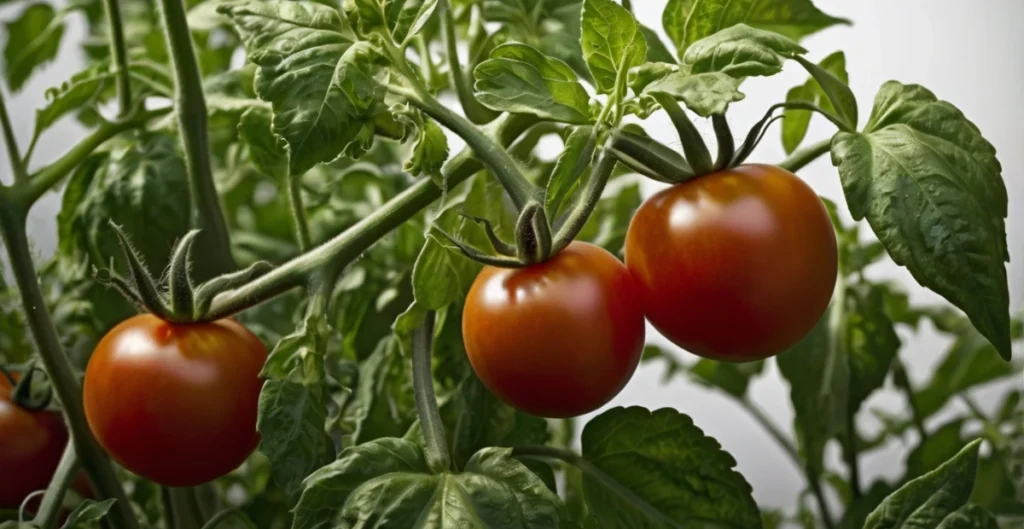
589	197
119	52
653	154
462	81
298	211
13	153
49	508
902	381
435	446
190	107
62	376
726	143
851	455
802	157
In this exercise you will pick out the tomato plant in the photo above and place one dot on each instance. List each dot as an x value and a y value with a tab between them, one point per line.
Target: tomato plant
736	265
175	403
280	298
30	447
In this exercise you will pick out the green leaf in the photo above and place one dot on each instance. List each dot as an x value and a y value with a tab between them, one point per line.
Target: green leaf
493	491
292	406
870	341
970	516
323	86
403	19
930	186
15	345
857	511
928	500
656	49
687	21
610	34
741	51
838	92
561	183
729	377
519	79
706	94
84	89
381	405
795	122
441	275
33	40
819	379
667	461
430	151
267	151
940	445
519	12
88	514
230	519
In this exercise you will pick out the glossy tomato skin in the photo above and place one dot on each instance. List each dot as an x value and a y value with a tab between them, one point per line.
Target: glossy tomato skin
736	265
175	404
31	444
558	338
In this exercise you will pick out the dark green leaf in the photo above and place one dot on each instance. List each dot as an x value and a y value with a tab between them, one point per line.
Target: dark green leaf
494	491
940	445
381	405
729	377
323	86
836	89
267	151
88	514
870	341
819	380
857	511
970	516
741	51
930	186
518	78
230	519
687	21
705	93
795	122
931	498
430	151
656	49
667	461
610	35
32	41
563	180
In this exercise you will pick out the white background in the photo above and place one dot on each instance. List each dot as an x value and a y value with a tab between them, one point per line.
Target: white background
968	53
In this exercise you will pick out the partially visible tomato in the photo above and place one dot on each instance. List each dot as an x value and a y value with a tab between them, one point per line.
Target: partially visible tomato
31	444
175	404
736	265
555	339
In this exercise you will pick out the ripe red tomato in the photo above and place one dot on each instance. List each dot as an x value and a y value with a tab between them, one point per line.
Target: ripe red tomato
31	443
175	404
737	265
558	338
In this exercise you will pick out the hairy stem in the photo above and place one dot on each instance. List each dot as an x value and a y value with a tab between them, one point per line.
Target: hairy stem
298	210
190	106
49	508
59	370
435	446
589	469
17	165
588	200
476	112
802	157
119	52
348	245
493	155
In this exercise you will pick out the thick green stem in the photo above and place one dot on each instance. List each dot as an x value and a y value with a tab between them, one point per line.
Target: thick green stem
693	144
17	165
435	445
589	469
59	370
802	157
119	52
351	243
190	107
493	155
41	181
476	112
298	210
588	200
49	508
726	143
654	155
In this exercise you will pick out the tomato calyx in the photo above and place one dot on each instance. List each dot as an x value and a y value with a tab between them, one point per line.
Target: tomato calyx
26	392
180	301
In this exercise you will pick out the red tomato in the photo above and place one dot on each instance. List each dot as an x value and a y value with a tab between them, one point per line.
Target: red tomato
737	265
175	404
558	338
31	443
